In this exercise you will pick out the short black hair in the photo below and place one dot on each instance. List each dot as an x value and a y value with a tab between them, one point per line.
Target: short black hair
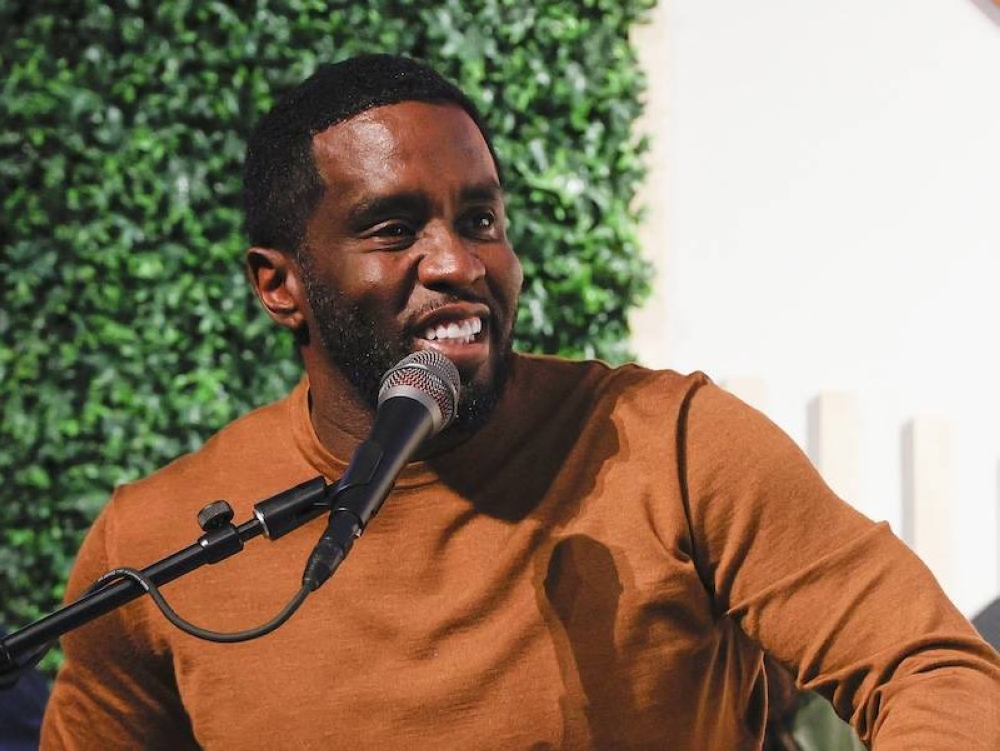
281	184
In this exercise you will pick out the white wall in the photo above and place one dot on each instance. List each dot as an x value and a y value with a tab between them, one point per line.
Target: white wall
832	222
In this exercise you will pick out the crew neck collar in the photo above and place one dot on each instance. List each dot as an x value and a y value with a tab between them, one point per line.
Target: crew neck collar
415	474
420	473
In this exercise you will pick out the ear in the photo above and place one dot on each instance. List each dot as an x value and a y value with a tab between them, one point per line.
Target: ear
276	282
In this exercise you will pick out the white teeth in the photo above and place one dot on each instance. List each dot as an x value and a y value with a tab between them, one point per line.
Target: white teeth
461	333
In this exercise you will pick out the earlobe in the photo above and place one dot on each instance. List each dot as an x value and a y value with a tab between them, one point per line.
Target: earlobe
276	283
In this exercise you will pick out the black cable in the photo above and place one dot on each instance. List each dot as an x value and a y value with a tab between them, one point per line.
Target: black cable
189	628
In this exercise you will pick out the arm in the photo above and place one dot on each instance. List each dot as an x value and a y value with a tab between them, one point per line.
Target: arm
836	598
115	691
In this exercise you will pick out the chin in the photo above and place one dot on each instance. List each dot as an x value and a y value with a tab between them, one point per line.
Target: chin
480	396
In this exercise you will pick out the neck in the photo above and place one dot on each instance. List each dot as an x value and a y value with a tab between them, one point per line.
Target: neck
340	416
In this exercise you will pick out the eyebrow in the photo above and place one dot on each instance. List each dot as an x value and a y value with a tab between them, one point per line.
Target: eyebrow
369	211
488	190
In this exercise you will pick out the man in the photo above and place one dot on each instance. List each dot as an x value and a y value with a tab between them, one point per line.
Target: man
589	558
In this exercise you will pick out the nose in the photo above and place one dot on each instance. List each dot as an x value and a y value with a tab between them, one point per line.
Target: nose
449	260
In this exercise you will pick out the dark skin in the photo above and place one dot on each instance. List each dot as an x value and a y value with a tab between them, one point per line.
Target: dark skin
410	231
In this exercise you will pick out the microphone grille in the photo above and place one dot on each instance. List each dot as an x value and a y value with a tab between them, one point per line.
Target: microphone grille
428	373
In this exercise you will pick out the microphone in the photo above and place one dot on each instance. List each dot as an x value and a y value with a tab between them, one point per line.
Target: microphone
418	398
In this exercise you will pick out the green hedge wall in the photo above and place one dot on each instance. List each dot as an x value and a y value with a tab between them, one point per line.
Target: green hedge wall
127	330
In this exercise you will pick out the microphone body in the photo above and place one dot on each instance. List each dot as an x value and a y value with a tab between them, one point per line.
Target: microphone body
418	398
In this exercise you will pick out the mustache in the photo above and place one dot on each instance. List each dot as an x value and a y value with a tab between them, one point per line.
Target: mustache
456	297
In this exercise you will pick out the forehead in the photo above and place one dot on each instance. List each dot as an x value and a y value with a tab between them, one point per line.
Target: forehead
404	146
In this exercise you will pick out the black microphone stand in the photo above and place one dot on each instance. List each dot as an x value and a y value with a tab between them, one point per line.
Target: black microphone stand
273	517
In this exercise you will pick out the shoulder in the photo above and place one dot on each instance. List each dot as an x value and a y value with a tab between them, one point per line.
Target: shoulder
250	459
629	387
247	444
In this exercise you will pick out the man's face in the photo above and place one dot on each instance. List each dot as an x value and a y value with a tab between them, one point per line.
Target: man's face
407	249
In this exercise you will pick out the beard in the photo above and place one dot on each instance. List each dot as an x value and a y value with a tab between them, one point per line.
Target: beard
360	348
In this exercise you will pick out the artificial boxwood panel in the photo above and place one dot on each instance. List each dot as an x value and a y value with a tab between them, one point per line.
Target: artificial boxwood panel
127	331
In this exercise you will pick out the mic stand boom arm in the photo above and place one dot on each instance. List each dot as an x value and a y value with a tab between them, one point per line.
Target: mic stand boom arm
273	517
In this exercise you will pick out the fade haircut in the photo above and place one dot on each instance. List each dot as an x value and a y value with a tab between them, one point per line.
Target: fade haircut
281	184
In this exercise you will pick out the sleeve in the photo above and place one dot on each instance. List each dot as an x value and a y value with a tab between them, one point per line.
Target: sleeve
835	597
113	691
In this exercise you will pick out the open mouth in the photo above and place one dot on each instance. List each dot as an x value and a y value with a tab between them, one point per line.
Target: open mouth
461	331
464	331
461	336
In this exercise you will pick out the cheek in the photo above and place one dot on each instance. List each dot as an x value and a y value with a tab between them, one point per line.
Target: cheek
509	275
378	281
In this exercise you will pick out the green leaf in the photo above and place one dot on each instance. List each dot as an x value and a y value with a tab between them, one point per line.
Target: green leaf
127	332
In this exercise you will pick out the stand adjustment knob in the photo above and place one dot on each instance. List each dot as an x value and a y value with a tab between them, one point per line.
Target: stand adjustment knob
215	515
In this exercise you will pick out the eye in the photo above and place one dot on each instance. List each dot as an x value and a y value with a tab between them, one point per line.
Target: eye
483	223
392	235
484	219
392	231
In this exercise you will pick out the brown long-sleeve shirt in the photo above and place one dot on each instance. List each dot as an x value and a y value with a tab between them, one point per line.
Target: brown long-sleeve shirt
599	567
